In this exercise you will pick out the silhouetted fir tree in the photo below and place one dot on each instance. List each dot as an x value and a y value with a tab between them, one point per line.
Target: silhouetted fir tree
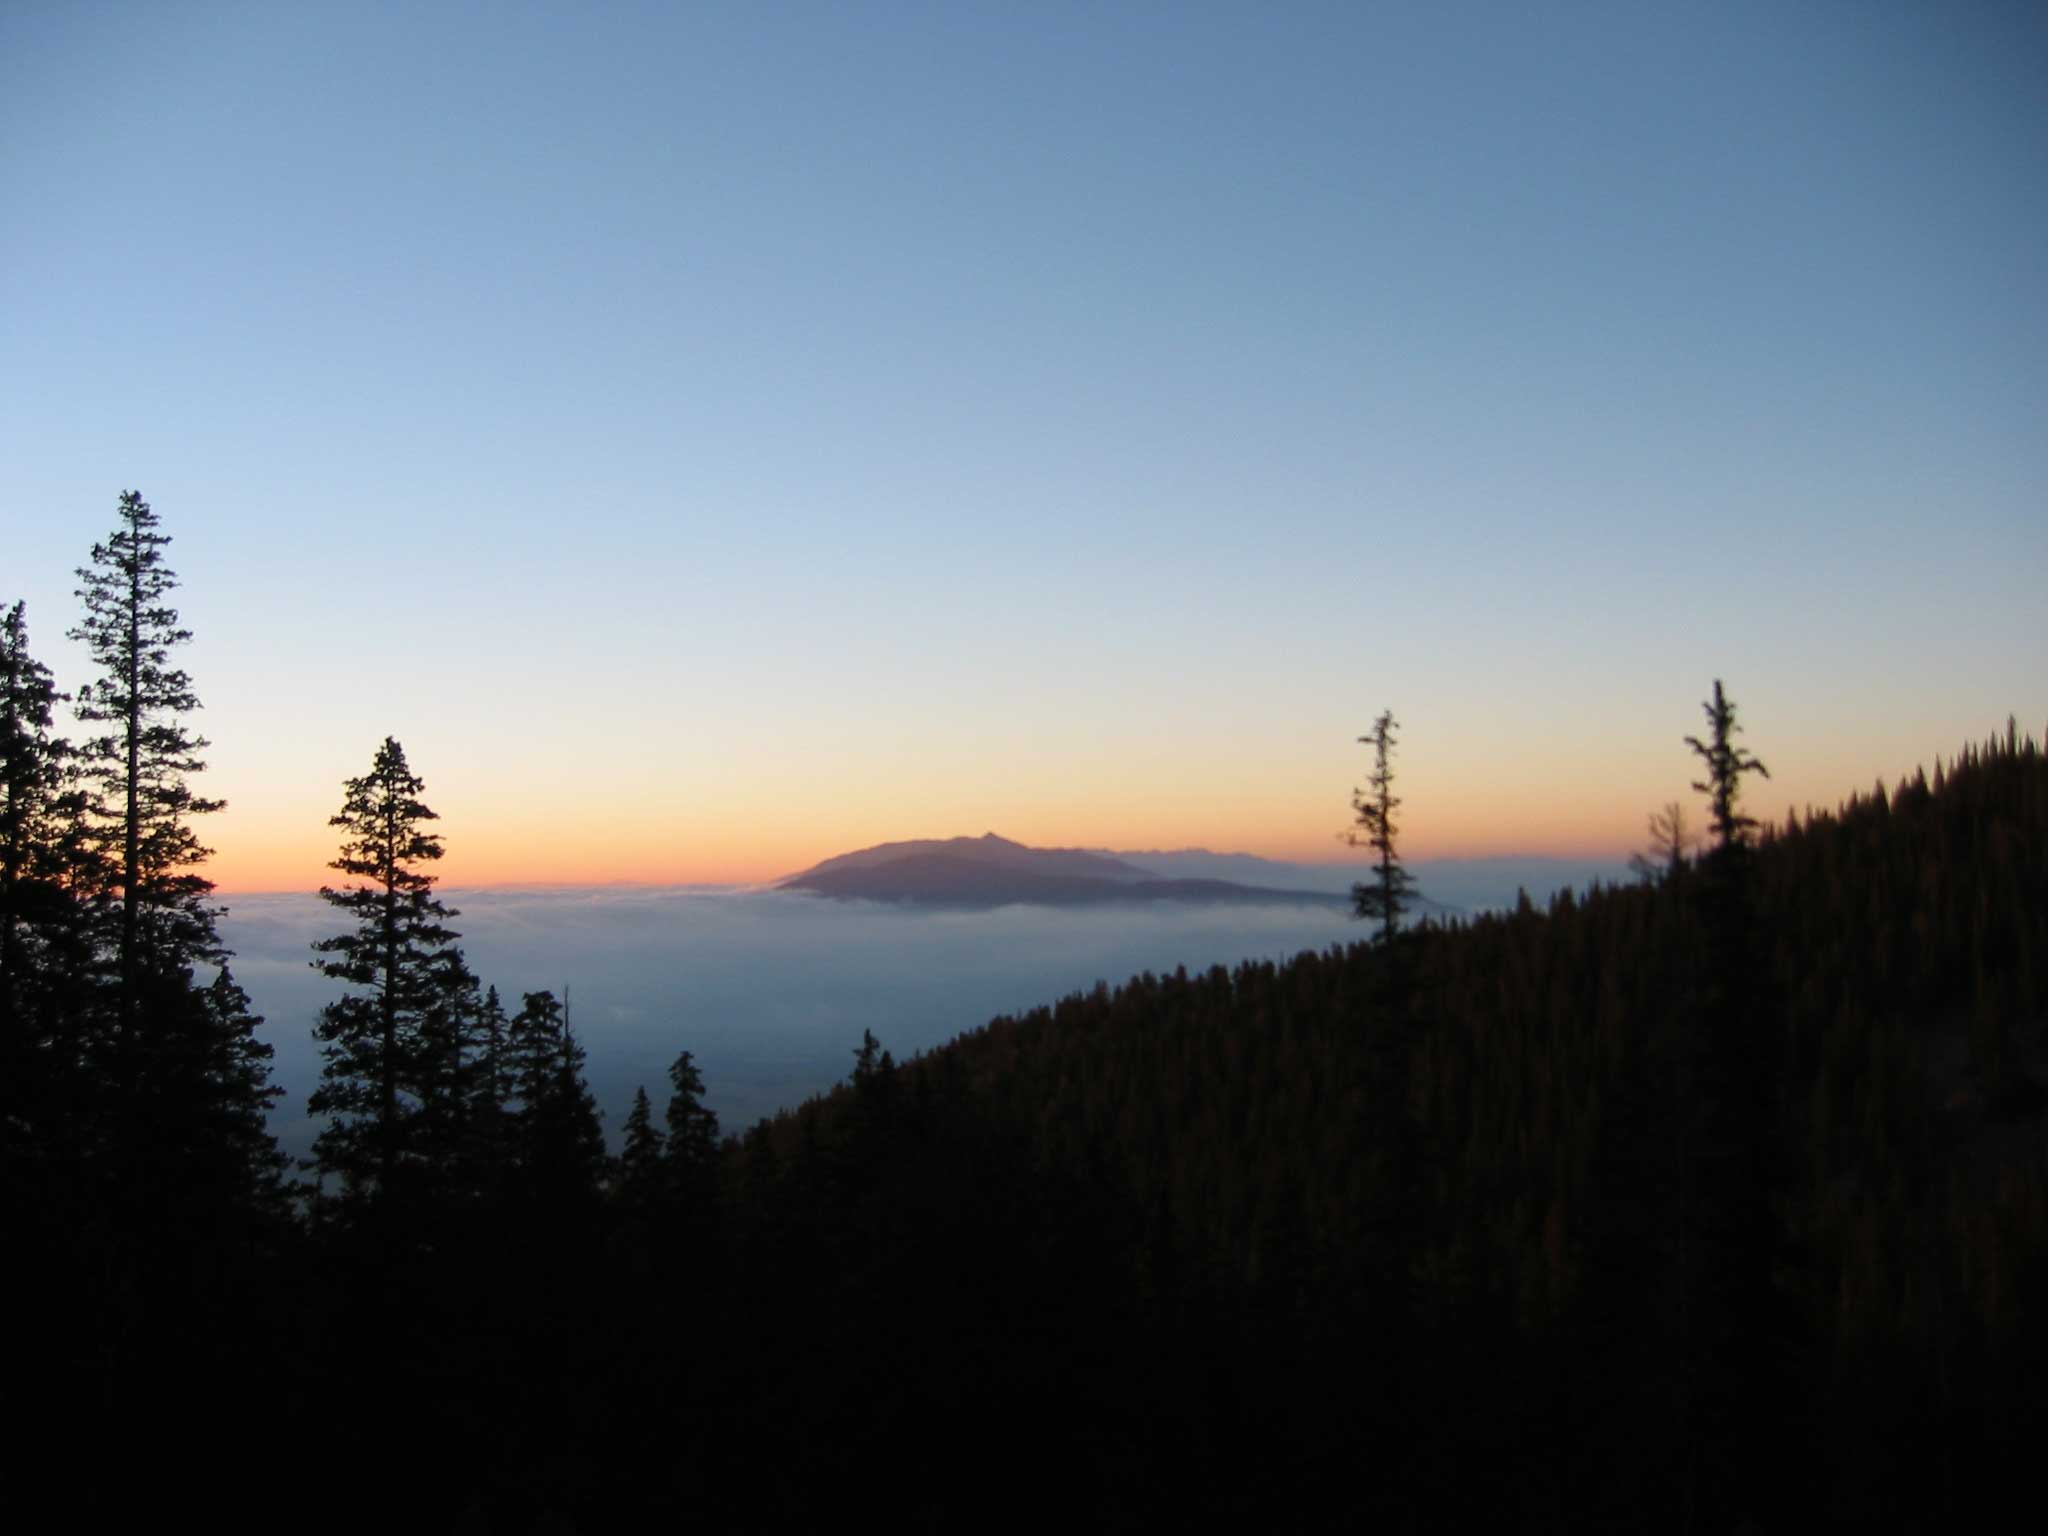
692	1150
487	1110
649	1231
40	849
46	953
557	1138
141	804
1735	1346
374	1040
234	1088
452	1132
638	1181
178	1078
874	1082
1726	763
1393	1217
137	1119
1386	897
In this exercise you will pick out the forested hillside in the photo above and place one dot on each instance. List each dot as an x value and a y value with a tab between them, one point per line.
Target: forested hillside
1569	1214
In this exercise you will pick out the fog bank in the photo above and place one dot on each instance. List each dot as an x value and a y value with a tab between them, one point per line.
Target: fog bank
771	990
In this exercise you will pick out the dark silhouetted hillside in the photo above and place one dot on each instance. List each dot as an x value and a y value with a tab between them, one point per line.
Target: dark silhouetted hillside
1479	1203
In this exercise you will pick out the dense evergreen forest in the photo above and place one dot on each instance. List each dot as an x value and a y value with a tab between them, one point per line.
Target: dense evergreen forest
1717	1198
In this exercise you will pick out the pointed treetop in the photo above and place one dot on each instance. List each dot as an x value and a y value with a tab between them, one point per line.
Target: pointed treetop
1392	888
1726	763
382	813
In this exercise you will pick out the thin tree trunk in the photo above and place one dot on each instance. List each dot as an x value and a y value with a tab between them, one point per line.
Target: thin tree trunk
10	874
131	858
387	1153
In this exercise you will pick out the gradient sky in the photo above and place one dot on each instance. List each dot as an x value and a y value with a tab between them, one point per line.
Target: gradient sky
714	437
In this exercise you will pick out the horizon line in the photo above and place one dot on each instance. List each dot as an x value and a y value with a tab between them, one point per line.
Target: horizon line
628	882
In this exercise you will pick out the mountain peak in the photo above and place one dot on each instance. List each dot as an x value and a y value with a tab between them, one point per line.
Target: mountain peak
991	870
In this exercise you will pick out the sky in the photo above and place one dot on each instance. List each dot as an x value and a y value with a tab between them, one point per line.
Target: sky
711	438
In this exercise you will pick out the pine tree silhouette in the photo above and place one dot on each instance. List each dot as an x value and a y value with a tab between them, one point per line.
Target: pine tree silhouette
1732	1242
692	1155
34	778
1726	763
1386	898
558	1140
374	1040
46	939
142	805
173	1073
637	1178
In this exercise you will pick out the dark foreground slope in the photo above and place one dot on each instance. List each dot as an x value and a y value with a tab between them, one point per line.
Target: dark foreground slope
1548	1217
1666	1208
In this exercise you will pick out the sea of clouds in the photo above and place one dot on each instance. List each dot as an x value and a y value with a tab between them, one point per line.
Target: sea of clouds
770	990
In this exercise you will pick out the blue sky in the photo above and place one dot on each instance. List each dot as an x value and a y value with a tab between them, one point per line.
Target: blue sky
714	437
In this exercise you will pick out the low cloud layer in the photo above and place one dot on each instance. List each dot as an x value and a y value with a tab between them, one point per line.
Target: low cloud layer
770	990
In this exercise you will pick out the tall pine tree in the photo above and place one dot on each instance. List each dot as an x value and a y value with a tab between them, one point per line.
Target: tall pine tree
558	1141
45	945
1386	897
177	1076
692	1130
378	1042
1726	763
142	805
637	1176
34	779
1736	1385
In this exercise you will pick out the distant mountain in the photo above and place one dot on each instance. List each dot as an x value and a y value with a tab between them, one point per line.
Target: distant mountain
987	852
992	871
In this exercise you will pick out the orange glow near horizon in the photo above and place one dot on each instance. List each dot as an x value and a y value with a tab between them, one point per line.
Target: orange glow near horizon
270	852
752	824
258	866
259	853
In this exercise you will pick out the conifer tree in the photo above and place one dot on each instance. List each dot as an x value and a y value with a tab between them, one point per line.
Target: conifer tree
45	941
141	804
1388	895
451	1133
1726	763
375	1040
233	1073
867	1059
558	1139
33	781
176	1072
639	1173
489	1090
692	1129
874	1085
1730	1231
